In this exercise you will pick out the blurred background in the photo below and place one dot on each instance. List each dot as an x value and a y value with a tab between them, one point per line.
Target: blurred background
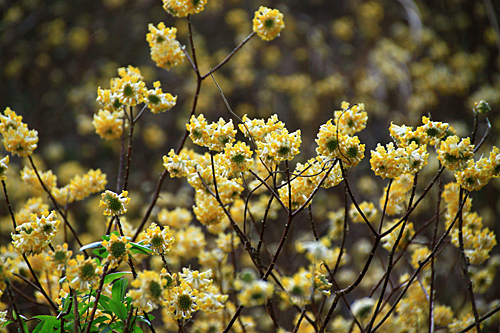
403	59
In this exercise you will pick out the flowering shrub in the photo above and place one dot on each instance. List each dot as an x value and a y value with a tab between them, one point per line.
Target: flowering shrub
262	244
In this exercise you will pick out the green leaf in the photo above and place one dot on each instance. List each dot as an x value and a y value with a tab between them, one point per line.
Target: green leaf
100	252
91	246
147	319
119	289
6	323
47	324
118	309
137	329
114	276
137	248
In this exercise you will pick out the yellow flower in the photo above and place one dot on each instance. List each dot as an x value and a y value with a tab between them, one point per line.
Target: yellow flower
183	301
166	51
113	203
268	23
130	90
351	119
159	240
118	249
454	153
280	145
182	8
108	125
83	273
195	279
150	290
30	178
255	293
3	167
17	139
58	259
387	162
368	209
34	236
474	176
159	101
92	182
178	165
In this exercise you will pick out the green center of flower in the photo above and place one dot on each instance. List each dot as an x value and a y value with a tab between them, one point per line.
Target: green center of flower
496	169
450	158
297	291
117	104
47	228
153	99
432	132
332	145
364	310
128	90
184	302
113	203
60	256
87	271
284	150
350	122
246	277
160	39
257	296
118	249
197	134
269	23
196	3
470	181
414	139
238	158
352	152
170	281
157	241
154	289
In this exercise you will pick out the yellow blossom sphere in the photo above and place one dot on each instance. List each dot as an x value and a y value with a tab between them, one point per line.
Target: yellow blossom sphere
268	23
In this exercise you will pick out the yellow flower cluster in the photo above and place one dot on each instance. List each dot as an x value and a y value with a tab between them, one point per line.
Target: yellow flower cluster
182	8
3	167
178	165
82	274
17	138
332	144
80	187
268	23
166	51
34	236
351	119
397	196
118	249
390	239
113	203
30	178
368	209
454	153
159	240
57	260
158	101
109	125
214	136
181	297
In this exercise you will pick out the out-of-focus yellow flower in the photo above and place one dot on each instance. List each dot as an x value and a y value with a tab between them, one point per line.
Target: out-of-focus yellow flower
182	8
